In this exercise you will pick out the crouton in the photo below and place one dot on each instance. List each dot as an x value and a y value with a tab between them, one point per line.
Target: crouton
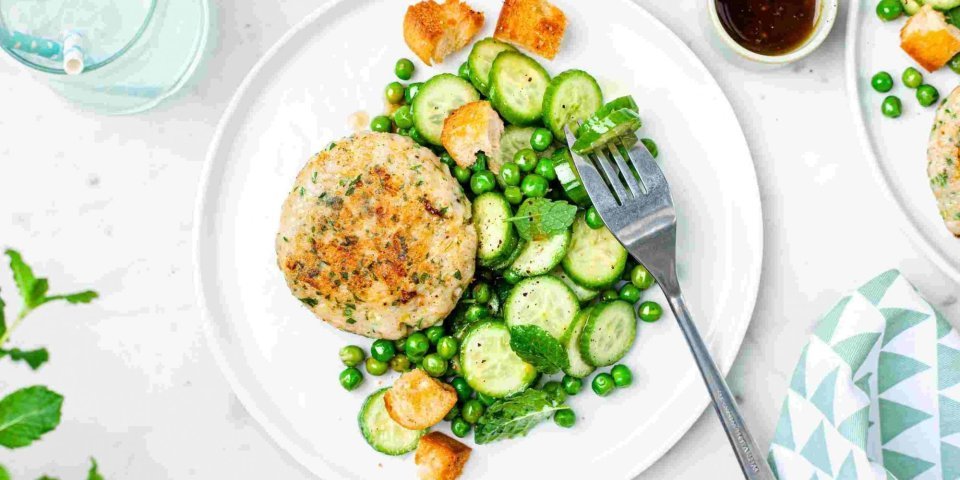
474	127
440	457
417	400
536	25
929	39
434	30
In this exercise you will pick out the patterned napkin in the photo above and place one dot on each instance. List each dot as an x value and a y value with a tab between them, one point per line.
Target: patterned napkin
876	393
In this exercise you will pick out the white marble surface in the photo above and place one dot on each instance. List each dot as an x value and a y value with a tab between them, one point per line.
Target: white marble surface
107	203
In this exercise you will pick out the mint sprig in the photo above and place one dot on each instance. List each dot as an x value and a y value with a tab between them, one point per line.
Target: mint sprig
538	348
27	414
539	218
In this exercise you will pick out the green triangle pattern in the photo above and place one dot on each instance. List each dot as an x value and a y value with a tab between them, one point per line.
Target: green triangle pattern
904	467
876	288
799	381
854	350
949	461
895	368
948	361
855	427
828	323
848	471
900	320
895	418
784	433
823	397
816	450
949	417
864	383
943	327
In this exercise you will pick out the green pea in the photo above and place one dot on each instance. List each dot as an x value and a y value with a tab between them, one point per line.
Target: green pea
394	92
526	159
927	95
555	390
513	195
400	344
609	295
461	174
434	365
383	350
541	139
889	10
417	137
381	123
471	411
510	174
351	355
641	278
912	78
448	347
592	217
464	71
376	367
434	334
482	292
476	312
351	378
882	82
650	311
565	418
400	363
954	63
630	293
622	376
571	385
417	345
602	384
651	147
482	182
512	276
534	186
485	399
453	413
404	69
403	117
545	169
411	92
891	107
464	390
460	427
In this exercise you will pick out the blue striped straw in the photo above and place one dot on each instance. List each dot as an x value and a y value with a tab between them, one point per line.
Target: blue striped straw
29	44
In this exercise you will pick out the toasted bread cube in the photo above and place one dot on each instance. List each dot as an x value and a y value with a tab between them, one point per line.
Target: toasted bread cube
536	25
474	127
929	39
434	30
440	457
417	400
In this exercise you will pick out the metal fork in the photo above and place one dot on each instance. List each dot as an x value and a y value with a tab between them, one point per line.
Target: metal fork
641	215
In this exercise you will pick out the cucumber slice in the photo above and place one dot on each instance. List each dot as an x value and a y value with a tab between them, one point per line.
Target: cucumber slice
618	123
571	342
513	140
382	432
496	236
572	96
569	178
511	257
583	294
608	334
540	256
481	59
544	301
489	364
911	7
942	4
596	258
435	100
517	86
613	105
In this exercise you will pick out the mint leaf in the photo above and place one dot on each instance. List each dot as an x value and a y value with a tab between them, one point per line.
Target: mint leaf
538	348
27	414
3	324
34	290
515	416
4	474
538	218
33	358
94	473
85	296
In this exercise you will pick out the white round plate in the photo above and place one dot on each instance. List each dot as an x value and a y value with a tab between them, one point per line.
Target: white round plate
282	362
898	148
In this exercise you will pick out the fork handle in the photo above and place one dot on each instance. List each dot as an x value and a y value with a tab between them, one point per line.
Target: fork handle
744	446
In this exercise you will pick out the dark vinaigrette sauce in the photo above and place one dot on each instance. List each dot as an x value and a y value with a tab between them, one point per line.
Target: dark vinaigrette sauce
768	27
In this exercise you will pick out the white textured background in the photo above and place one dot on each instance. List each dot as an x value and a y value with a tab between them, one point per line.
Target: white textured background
107	203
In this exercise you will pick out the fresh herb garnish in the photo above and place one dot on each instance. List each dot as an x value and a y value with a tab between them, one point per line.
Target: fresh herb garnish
538	348
539	218
27	414
515	416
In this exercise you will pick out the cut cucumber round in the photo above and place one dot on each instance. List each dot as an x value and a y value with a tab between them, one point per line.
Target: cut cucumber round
435	100
572	96
942	4
496	236
517	86
489	364
481	59
608	333
382	432
613	105
596	258
544	301
540	256
513	140
583	294
511	257
571	342
569	178
618	123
